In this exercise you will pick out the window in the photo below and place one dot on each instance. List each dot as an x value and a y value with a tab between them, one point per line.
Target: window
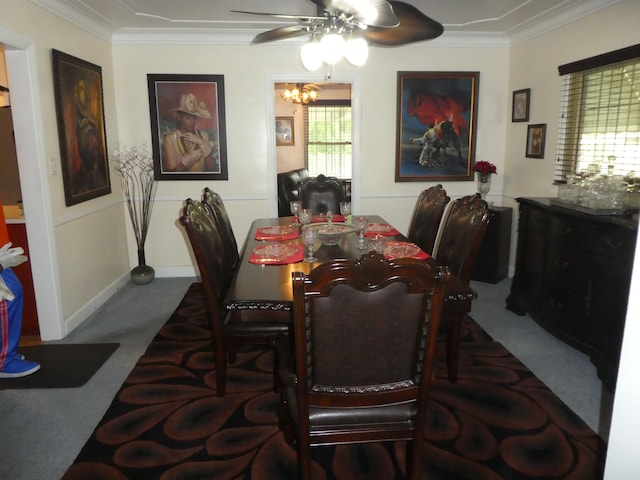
599	128
328	134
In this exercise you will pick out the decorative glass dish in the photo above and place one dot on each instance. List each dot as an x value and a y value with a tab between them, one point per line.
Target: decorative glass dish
331	233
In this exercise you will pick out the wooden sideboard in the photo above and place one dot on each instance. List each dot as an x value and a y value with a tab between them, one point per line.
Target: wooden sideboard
573	272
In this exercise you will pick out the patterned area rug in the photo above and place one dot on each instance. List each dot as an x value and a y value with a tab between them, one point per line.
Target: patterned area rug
498	422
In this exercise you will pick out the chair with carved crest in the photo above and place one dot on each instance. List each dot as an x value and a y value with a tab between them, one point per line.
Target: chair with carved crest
363	352
208	247
321	194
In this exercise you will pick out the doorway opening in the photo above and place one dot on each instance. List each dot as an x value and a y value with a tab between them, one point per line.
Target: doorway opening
323	136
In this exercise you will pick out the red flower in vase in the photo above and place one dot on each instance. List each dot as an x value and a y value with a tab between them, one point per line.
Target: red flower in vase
484	168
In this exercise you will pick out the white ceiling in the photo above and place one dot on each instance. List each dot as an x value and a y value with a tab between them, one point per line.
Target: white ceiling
125	20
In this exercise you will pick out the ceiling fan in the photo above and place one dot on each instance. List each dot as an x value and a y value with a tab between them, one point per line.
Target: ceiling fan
379	22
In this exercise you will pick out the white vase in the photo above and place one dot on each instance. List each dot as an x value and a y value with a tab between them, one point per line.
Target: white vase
483	182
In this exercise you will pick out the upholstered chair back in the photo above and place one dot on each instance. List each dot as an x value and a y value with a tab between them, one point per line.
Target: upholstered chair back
321	194
427	216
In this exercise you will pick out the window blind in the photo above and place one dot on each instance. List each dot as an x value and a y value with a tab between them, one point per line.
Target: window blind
599	125
328	134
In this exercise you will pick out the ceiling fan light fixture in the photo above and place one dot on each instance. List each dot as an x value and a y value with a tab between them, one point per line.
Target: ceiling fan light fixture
332	45
356	51
311	55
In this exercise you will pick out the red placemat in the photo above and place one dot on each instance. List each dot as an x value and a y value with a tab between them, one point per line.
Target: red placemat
393	249
383	229
323	218
277	254
277	233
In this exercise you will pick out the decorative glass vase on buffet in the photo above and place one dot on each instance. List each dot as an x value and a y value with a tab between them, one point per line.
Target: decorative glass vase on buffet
484	170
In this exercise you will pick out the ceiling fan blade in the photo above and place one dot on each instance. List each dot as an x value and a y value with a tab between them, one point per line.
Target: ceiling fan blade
300	18
376	13
281	33
414	26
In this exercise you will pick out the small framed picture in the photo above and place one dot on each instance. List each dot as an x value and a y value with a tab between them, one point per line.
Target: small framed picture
535	140
284	132
520	109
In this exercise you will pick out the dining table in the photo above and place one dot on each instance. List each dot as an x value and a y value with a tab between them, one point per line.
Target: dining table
265	288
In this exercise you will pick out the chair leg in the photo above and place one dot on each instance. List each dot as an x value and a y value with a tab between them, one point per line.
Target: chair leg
453	339
220	357
304	460
413	458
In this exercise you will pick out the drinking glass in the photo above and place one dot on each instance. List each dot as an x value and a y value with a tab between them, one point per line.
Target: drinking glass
361	224
378	244
295	206
304	216
309	237
345	208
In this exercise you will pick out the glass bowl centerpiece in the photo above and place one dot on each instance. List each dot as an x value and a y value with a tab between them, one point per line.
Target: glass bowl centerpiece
331	233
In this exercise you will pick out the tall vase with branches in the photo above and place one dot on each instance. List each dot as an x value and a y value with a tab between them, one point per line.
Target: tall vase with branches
135	166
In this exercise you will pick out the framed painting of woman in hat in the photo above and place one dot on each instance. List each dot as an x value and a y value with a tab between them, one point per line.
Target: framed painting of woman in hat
187	127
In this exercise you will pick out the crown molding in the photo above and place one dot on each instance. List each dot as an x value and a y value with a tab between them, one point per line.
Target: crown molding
91	22
558	18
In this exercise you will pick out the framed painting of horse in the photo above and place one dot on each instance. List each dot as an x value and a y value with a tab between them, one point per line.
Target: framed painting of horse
436	123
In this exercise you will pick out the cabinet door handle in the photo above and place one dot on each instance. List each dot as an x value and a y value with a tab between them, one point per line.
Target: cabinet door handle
614	243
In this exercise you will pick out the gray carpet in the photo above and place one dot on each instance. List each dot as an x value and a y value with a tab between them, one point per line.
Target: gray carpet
42	431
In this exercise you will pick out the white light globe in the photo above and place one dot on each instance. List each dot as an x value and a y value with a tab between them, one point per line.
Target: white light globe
356	51
332	48
311	55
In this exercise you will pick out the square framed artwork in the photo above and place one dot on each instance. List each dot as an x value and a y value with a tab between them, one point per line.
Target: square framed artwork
284	132
520	105
77	87
535	140
436	122
188	127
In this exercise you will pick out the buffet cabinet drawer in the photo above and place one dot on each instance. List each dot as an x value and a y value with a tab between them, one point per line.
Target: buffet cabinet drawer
566	265
569	231
614	242
565	309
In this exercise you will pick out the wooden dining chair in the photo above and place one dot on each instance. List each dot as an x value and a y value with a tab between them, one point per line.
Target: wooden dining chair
426	218
321	194
363	353
213	201
458	248
208	248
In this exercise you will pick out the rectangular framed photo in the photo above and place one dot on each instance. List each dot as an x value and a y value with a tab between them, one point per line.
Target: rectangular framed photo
284	132
535	140
520	105
77	87
436	123
188	127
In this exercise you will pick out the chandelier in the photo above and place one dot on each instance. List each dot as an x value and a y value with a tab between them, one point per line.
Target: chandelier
300	94
337	38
